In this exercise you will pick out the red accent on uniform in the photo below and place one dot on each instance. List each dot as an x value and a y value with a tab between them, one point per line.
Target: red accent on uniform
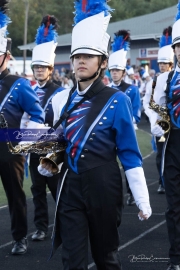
47	27
124	40
167	37
84	4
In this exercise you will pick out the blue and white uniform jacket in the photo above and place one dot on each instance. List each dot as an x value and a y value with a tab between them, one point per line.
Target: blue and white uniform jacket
98	131
161	96
132	92
45	94
17	97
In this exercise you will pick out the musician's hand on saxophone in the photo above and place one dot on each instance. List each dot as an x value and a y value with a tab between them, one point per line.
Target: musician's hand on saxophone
45	169
157	130
51	164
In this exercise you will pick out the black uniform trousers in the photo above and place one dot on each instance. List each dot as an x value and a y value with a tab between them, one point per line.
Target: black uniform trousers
90	206
12	176
38	189
159	146
172	188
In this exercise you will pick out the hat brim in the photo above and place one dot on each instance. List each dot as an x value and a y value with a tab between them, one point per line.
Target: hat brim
167	61
86	51
41	63
117	67
175	42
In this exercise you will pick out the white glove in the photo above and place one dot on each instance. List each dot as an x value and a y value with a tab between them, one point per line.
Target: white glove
135	126
44	171
146	209
157	131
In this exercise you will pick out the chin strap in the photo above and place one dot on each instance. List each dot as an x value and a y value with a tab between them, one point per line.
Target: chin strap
90	78
95	74
3	60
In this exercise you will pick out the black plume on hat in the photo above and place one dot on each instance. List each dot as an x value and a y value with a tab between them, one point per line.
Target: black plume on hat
50	19
124	33
4	5
167	31
47	30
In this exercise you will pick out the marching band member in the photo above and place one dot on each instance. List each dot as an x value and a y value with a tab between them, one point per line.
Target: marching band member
16	99
99	127
42	65
117	67
165	60
168	95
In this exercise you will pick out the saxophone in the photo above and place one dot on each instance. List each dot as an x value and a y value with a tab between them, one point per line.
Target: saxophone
46	145
162	111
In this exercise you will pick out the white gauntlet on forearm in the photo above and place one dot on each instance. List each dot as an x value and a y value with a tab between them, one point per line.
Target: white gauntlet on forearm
137	184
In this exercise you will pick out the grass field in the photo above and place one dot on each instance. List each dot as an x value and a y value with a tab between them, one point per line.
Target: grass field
144	144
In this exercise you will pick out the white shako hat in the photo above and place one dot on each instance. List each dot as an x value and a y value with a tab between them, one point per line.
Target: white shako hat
145	75
165	53
46	40
120	46
176	27
5	43
130	71
89	34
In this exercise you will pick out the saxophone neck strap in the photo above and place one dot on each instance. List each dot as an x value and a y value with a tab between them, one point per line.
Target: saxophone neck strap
95	88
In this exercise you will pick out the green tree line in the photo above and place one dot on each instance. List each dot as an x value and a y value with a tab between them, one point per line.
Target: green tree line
63	10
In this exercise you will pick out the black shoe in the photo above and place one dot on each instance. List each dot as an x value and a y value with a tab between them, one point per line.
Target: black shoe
130	200
39	236
173	267
20	246
161	190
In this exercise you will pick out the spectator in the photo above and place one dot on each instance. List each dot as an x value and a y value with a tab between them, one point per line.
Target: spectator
152	73
56	77
63	72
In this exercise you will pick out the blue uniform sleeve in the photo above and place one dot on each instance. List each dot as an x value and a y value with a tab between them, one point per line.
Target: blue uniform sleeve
136	102
29	102
126	142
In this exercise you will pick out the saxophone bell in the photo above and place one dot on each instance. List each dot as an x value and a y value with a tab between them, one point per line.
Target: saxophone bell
165	126
54	159
162	139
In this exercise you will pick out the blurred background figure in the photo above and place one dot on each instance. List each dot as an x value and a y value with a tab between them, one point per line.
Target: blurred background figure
65	82
56	77
106	80
130	77
63	72
152	73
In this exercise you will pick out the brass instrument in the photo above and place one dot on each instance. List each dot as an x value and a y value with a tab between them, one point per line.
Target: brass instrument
43	146
161	111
